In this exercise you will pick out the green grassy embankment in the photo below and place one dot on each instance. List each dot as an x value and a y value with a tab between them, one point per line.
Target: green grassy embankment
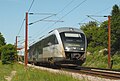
31	74
99	60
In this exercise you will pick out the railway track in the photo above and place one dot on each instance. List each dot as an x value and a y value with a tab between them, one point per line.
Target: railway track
99	72
105	73
91	74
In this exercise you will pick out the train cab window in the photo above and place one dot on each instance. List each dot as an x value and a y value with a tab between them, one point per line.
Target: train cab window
73	39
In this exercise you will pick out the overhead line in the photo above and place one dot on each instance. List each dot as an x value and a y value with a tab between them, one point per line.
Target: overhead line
24	18
41	19
57	12
70	11
93	18
31	5
21	27
66	6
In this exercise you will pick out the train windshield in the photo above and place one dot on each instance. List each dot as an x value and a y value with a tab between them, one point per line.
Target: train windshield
73	39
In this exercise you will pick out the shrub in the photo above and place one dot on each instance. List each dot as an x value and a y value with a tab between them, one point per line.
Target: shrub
8	54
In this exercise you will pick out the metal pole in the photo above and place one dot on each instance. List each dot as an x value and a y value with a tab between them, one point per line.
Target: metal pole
26	41
109	43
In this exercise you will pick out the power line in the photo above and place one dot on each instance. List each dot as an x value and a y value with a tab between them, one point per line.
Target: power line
42	19
66	6
31	5
56	14
93	18
21	27
24	18
68	12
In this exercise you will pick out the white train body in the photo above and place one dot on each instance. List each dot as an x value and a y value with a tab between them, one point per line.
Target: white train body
60	46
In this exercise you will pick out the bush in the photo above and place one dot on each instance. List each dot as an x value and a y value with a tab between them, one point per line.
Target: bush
8	54
92	50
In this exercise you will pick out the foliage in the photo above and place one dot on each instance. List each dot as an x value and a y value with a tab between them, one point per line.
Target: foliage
96	36
116	61
8	54
2	42
38	75
5	70
31	74
97	60
115	29
100	60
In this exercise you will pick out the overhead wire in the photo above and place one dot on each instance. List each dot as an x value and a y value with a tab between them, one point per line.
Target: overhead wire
61	11
21	27
31	6
101	11
41	19
24	18
66	6
68	12
75	8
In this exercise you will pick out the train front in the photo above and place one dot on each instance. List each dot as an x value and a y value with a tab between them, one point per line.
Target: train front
75	47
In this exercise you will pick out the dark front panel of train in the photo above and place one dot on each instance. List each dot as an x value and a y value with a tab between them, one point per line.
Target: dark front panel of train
73	41
74	45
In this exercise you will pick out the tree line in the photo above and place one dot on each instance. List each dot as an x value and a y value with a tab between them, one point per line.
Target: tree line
8	52
97	34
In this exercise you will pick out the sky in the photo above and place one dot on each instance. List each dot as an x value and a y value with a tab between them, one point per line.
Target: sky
69	13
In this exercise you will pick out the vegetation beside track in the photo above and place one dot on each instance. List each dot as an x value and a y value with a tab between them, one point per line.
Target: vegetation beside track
31	74
97	40
99	60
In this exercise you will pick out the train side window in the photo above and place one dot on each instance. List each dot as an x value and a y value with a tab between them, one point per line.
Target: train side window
56	41
53	40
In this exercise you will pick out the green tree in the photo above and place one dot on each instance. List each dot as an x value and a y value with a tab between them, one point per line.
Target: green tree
2	42
96	36
8	54
104	34
115	29
88	30
91	32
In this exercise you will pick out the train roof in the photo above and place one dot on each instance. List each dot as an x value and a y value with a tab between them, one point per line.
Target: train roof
63	29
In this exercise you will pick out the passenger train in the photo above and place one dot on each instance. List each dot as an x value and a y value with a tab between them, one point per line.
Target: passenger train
64	45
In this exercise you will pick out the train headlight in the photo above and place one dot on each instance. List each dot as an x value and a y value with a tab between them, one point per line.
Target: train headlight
67	48
82	48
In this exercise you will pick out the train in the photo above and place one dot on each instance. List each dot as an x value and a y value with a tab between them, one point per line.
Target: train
65	45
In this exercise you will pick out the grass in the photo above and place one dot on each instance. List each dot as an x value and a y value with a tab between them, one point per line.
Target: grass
116	62
100	60
5	70
31	74
38	75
